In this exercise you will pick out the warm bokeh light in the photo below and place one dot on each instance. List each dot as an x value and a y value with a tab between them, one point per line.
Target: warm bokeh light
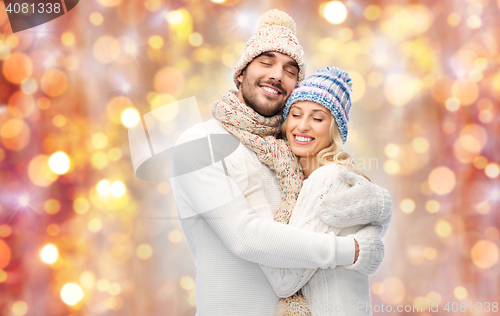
407	206
104	187
391	166
53	229
372	12
196	39
442	180
155	41
52	206
39	171
186	282
432	206
442	228
68	39
20	308
49	254
484	254
460	293
99	140
144	251
420	145
492	170
5	254
81	205
5	230
391	150
3	276
71	293
453	19
335	12
130	117
175	17
95	225
59	162
17	67
96	18
87	279
430	253
175	236
118	189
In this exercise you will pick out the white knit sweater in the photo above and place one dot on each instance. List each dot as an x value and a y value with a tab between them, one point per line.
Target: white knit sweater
228	240
325	206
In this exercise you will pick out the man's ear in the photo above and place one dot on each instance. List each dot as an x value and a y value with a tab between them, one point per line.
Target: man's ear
240	77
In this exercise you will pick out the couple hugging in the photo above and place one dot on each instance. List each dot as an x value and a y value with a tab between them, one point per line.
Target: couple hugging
286	224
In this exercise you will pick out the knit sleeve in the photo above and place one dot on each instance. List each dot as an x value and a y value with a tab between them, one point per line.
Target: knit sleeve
208	193
371	250
287	282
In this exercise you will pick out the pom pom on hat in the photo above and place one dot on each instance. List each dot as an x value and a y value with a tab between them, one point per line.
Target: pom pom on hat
277	18
275	33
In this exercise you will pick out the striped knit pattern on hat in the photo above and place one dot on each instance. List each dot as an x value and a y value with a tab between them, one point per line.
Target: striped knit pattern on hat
275	33
331	87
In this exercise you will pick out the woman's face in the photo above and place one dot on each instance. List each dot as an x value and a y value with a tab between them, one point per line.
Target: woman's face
308	128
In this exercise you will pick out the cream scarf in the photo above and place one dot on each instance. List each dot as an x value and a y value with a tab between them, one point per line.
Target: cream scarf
258	133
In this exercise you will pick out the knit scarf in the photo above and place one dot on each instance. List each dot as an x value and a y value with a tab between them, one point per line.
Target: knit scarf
258	133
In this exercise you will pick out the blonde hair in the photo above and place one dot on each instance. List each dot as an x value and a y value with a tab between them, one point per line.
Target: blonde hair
334	152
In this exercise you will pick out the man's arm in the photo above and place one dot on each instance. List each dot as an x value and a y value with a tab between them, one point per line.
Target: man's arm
210	193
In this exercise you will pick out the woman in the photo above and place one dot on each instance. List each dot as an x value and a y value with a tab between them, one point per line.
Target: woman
315	125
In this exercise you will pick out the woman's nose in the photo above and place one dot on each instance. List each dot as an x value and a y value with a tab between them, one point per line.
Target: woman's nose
303	125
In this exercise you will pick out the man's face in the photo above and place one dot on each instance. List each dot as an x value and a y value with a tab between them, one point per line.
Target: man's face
267	82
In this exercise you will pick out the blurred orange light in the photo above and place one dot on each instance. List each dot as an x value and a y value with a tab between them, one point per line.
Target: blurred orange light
5	230
5	254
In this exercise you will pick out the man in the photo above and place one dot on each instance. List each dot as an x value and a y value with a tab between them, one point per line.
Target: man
226	238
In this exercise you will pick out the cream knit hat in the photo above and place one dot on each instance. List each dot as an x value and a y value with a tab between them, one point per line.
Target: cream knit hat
275	33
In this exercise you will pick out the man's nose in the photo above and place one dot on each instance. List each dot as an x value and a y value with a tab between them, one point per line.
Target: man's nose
276	73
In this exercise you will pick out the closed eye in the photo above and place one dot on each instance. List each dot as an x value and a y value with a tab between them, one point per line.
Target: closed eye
318	120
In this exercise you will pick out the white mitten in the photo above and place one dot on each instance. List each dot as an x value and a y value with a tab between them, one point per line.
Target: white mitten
361	203
247	177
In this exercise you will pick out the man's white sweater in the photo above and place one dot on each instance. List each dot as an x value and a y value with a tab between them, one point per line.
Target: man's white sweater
228	240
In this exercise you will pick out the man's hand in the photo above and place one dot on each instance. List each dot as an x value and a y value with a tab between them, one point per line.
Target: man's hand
356	251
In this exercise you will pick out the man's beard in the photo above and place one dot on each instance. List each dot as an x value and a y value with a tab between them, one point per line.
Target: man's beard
251	98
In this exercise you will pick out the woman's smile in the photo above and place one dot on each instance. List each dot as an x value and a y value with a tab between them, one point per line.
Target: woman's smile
302	139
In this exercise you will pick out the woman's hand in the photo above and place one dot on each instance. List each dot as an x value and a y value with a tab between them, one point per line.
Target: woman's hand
247	177
352	200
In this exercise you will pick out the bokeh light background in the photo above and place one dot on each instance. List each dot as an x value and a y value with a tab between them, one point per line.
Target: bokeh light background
81	235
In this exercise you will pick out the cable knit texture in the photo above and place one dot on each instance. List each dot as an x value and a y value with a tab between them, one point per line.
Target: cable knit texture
343	285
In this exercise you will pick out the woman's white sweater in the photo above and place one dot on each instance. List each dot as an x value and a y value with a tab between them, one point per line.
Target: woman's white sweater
325	205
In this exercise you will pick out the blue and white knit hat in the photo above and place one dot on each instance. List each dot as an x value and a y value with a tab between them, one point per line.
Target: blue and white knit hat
330	87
